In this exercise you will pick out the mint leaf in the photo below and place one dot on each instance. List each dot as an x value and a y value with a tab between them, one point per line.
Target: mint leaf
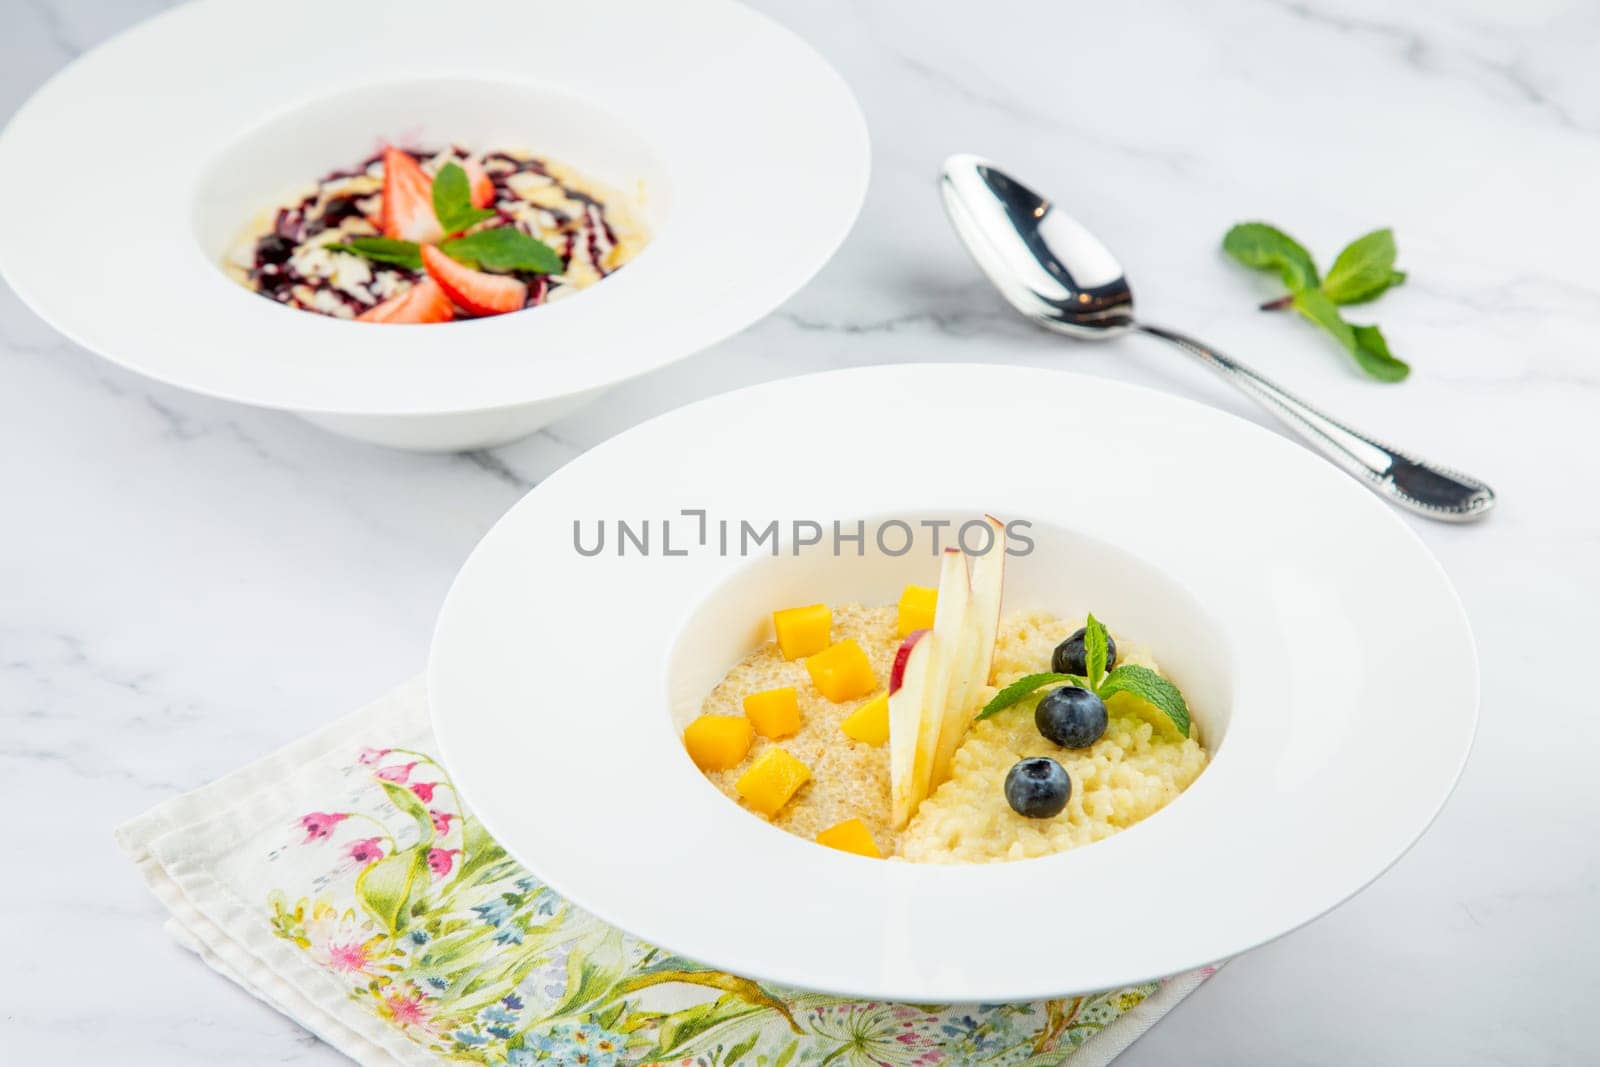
1363	270
1150	687
1094	651
504	248
382	250
1365	343
1019	690
1372	352
452	200
1315	305
1396	277
1264	247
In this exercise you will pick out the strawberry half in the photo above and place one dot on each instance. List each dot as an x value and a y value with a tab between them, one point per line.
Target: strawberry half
407	200
423	302
481	185
473	290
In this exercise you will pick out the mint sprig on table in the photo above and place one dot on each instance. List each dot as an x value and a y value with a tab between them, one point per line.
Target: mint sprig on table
1141	682
500	249
1361	273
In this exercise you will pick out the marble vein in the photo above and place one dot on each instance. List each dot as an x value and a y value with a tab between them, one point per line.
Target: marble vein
498	469
940	76
954	323
1424	54
50	18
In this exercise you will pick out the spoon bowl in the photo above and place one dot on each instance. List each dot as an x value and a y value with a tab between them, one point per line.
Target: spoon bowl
1044	262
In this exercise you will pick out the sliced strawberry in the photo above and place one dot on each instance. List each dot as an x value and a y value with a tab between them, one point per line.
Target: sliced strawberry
407	200
423	302
473	290
479	181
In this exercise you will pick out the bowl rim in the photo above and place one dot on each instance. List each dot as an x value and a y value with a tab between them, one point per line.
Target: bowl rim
880	957
233	344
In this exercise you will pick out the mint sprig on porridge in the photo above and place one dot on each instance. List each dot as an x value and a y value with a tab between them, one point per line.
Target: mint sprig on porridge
1097	647
503	249
1022	688
452	200
407	254
1092	647
1151	688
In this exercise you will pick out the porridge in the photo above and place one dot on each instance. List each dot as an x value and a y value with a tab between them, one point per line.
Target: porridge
1136	767
411	236
1030	736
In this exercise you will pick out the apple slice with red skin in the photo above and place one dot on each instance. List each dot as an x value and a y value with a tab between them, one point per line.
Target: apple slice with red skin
938	675
897	672
916	698
959	643
988	587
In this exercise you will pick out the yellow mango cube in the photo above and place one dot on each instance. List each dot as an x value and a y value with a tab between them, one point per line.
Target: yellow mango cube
774	712
717	742
851	835
870	722
842	672
916	609
803	631
771	781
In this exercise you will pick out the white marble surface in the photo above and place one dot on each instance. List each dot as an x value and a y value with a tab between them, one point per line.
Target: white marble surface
185	584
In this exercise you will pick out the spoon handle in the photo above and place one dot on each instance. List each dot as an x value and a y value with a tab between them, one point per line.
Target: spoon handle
1415	484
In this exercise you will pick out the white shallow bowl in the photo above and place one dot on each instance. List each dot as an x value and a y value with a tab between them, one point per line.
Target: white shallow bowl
131	172
1327	658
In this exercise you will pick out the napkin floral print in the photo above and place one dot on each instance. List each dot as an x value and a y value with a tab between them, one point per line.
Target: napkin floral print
431	926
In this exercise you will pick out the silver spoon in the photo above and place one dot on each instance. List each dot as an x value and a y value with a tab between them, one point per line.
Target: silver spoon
1054	271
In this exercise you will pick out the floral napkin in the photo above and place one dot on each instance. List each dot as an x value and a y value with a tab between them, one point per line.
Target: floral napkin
341	881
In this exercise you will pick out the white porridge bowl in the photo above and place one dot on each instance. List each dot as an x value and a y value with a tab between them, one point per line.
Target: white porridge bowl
1323	651
133	172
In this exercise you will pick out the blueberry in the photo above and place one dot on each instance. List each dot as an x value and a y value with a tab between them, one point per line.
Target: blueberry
1070	657
1071	717
1038	787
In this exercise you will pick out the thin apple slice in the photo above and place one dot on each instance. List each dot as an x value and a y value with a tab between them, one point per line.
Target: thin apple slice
988	586
902	657
958	644
916	699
